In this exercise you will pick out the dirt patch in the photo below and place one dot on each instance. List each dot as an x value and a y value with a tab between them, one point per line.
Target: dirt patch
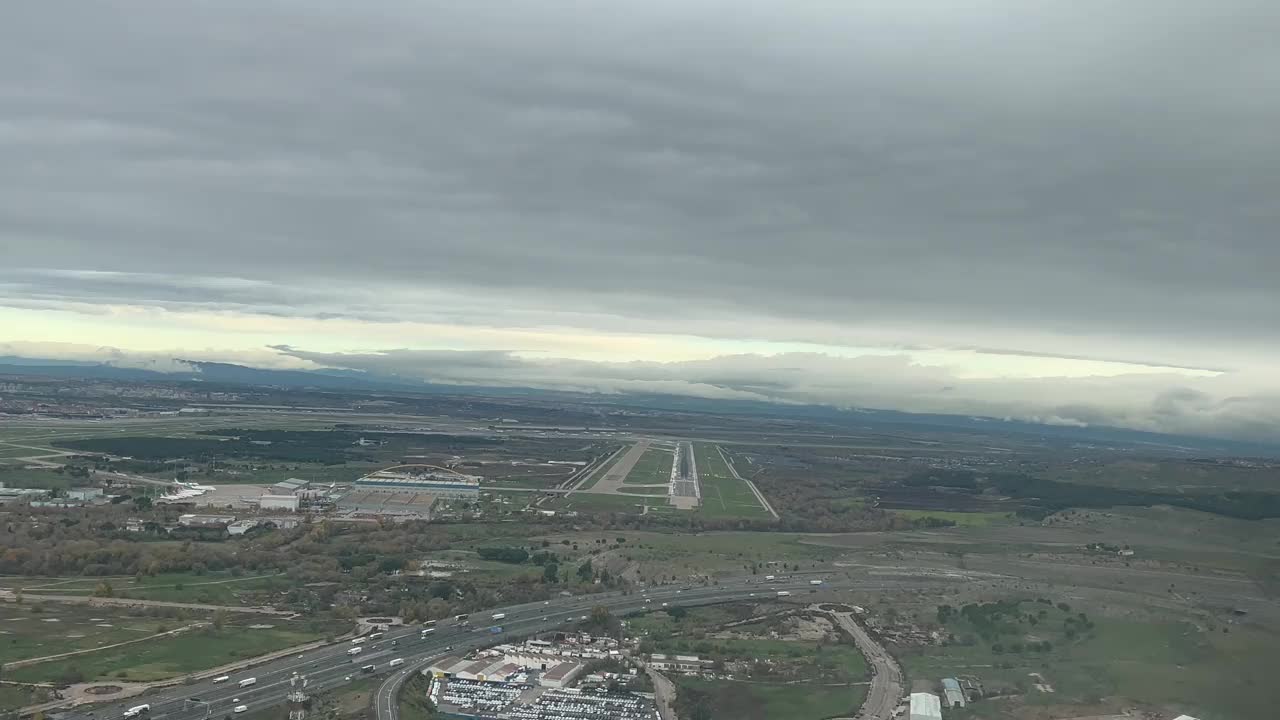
102	690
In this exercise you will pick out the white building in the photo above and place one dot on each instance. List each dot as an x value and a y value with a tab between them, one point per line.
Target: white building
241	527
925	706
84	493
205	520
439	484
290	503
561	675
678	663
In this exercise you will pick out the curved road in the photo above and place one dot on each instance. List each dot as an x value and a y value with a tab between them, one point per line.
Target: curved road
330	667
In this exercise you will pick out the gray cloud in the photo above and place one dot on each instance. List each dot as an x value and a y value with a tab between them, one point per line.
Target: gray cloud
1157	402
1053	178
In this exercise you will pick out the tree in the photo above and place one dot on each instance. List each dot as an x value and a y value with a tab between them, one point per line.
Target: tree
219	619
550	573
585	572
104	590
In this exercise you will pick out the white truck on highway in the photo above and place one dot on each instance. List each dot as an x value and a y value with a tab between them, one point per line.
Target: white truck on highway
248	681
815	582
499	616
397	661
355	650
427	631
137	710
222	678
770	578
784	593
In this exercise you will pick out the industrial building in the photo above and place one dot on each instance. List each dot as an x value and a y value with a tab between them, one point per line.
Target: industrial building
288	503
561	675
205	520
289	487
440	484
90	493
678	663
241	527
925	706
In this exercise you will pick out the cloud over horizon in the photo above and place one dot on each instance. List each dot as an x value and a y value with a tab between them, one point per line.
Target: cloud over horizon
853	202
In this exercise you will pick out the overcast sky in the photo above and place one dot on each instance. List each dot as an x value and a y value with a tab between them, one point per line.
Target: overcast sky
1064	211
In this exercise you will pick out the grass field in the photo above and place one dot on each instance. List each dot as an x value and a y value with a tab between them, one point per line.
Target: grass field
17	476
962	519
660	556
1209	674
653	468
265	474
764	701
590	502
214	588
723	495
64	628
175	655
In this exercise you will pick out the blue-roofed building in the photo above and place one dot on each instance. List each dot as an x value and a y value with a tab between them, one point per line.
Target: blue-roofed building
952	695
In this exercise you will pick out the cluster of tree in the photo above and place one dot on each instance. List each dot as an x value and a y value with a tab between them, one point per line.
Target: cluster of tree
154	448
933	477
513	555
1042	497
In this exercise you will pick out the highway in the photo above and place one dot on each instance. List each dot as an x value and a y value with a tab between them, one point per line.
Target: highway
330	667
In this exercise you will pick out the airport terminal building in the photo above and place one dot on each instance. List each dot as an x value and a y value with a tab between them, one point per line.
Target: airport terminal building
438	484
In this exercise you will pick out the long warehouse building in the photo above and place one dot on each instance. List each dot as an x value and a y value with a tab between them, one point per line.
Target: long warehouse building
443	485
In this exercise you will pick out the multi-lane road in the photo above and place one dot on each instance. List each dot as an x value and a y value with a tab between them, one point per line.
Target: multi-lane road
330	667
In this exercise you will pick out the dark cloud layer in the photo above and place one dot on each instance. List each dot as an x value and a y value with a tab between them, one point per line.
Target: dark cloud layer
1076	179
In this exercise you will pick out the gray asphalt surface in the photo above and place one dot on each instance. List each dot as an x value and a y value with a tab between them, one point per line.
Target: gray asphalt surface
330	667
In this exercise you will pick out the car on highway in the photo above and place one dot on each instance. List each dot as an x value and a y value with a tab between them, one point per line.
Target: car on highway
137	710
240	708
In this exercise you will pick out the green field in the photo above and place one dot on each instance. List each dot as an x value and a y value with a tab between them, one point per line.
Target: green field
1206	673
598	502
65	628
653	468
20	477
166	657
211	588
660	556
961	519
723	495
764	701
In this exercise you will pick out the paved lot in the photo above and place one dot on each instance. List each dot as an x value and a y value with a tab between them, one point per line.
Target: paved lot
612	480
